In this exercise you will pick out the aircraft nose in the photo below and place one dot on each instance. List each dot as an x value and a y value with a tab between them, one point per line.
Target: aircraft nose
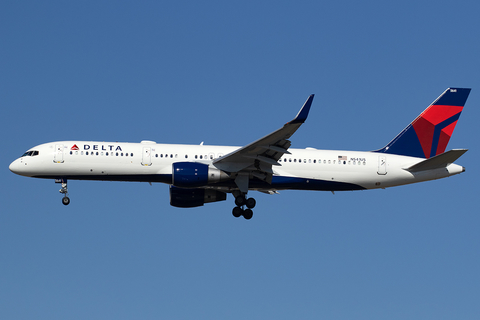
15	167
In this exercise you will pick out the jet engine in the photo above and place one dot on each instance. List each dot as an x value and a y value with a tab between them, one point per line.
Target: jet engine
194	174
188	198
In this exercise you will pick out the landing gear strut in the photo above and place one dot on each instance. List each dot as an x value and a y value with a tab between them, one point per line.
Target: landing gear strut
241	201
64	191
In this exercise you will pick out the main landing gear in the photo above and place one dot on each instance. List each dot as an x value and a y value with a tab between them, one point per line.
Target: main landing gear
64	191
241	201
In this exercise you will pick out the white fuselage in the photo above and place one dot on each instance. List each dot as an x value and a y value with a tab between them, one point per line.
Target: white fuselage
303	169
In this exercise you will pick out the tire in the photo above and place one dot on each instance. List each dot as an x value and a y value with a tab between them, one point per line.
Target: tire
248	214
237	212
250	203
240	201
66	200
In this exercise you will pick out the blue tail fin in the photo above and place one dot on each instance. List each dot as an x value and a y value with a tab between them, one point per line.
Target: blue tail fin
429	133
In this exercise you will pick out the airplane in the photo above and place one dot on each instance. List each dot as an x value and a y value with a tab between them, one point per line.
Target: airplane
199	174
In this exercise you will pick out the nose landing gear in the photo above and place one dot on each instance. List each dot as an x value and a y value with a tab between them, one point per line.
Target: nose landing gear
64	191
241	201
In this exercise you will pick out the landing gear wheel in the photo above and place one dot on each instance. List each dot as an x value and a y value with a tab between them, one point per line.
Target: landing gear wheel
248	214
250	203
237	212
64	191
66	200
240	200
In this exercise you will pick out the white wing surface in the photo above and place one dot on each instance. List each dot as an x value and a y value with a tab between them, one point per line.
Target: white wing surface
257	158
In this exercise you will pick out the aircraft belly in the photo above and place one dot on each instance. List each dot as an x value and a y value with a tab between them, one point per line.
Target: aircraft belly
324	179
295	183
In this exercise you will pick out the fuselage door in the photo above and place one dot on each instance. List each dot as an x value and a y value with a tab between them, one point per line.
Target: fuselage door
58	155
147	156
382	165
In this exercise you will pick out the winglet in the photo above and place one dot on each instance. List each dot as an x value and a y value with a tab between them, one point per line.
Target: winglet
303	113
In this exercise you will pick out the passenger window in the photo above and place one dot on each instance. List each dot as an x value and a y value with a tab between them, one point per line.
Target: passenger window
131	154
200	156
71	152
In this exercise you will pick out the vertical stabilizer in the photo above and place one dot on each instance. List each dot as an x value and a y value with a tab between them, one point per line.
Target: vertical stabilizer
428	135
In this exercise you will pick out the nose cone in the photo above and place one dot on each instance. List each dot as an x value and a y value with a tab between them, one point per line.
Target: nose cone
16	167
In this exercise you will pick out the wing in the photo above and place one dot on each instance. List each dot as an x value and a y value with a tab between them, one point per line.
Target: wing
257	158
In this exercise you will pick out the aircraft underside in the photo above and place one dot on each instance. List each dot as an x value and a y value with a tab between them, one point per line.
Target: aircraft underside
278	182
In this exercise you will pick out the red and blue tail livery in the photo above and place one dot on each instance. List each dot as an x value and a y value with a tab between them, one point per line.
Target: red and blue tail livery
428	135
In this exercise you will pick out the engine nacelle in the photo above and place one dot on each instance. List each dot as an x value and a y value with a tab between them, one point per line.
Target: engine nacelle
188	198
194	174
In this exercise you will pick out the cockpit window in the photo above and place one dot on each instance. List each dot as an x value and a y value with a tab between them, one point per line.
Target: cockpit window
30	153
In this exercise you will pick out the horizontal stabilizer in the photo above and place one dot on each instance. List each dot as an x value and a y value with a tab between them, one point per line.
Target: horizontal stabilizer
438	161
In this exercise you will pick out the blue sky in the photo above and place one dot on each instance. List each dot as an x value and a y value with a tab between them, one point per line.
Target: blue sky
227	73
